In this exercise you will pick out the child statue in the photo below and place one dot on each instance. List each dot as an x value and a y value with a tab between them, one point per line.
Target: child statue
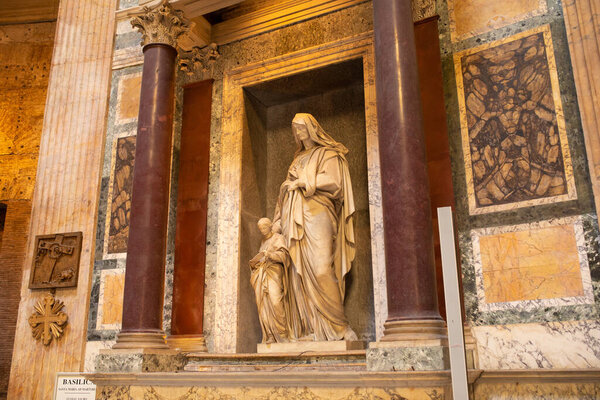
269	279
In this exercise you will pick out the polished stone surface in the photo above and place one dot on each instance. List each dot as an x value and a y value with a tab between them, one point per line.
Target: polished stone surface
138	360
410	269
146	248
398	358
552	345
532	265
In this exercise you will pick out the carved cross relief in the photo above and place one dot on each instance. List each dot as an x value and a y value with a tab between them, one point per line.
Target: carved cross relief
56	260
48	320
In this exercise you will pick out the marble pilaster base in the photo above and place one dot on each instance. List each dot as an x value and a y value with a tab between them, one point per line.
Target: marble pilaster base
141	340
139	360
334	345
187	343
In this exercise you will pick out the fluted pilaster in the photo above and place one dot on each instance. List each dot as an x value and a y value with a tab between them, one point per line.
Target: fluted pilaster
582	20
67	184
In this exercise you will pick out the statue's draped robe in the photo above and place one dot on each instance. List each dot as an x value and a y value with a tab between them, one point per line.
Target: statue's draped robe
269	280
317	224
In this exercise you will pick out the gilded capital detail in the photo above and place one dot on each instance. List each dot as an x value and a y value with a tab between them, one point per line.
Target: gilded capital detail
163	25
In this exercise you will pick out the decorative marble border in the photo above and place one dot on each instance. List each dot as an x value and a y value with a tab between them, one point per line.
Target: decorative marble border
577	223
105	254
560	120
227	275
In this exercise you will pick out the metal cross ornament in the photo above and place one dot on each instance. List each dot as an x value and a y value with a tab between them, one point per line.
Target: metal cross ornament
47	322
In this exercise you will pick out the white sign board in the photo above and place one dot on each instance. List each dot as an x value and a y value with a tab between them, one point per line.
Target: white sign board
70	386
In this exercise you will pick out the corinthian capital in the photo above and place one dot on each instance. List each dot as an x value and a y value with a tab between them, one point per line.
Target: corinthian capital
163	24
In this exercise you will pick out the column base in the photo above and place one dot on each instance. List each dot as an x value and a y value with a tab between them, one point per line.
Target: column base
413	345
415	330
141	340
187	343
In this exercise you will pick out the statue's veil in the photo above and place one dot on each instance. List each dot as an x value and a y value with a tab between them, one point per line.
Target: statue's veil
317	134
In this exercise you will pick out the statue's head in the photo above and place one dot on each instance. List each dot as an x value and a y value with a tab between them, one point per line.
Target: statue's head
306	129
300	128
264	226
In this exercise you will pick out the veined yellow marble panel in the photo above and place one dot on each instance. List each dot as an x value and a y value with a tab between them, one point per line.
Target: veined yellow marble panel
529	265
111	298
474	17
128	99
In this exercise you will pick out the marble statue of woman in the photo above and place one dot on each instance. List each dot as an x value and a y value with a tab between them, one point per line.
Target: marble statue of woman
315	211
269	280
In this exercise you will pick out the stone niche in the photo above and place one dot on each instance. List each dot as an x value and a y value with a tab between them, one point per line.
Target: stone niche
334	94
334	82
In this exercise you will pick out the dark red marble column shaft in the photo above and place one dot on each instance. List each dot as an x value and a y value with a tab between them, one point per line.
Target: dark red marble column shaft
146	249
407	221
192	206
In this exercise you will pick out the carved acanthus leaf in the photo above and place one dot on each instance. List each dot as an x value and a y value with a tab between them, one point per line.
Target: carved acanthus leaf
199	61
163	25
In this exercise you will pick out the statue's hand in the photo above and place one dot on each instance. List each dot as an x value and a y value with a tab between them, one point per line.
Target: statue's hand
296	184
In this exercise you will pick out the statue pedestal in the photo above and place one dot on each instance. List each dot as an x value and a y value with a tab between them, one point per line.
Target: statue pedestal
292	347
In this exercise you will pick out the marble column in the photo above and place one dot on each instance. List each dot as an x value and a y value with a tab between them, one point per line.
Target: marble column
146	249
413	315
67	186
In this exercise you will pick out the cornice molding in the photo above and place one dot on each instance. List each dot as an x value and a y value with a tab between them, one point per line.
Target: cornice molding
273	17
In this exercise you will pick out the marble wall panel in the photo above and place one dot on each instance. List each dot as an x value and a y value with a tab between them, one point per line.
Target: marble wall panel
570	344
507	294
273	393
474	17
532	265
119	205
128	100
514	137
110	305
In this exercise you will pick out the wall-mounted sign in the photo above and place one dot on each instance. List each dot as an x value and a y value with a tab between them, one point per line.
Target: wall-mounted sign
70	386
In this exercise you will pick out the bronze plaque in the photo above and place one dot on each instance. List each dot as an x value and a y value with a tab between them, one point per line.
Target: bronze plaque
56	261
